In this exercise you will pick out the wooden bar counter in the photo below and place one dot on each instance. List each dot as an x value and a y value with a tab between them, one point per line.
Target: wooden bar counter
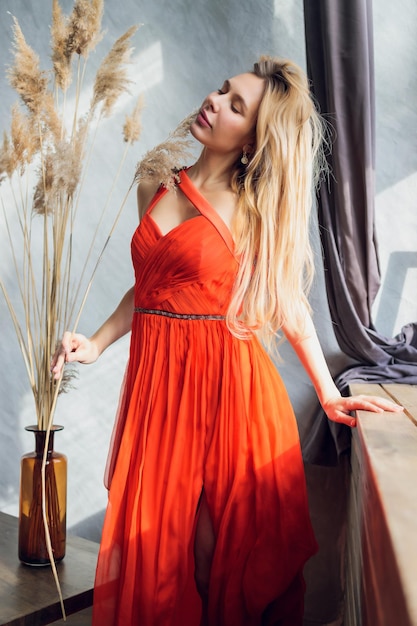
28	595
381	585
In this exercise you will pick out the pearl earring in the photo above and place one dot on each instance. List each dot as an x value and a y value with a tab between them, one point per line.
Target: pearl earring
244	160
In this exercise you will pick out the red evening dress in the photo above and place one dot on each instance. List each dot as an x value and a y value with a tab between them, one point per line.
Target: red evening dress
200	408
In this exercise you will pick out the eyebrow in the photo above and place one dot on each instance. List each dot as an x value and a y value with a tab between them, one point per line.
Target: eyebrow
237	96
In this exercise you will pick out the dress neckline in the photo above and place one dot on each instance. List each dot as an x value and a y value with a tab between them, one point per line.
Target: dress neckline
202	205
205	208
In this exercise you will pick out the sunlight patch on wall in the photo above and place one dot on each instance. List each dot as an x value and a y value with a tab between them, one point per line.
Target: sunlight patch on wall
396	225
284	11
146	71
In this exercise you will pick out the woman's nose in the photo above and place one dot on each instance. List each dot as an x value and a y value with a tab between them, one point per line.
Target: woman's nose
213	101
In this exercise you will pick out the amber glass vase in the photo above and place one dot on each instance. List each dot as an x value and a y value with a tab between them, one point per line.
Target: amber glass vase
32	541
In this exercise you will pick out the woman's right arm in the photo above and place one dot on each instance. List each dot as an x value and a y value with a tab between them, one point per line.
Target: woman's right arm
77	347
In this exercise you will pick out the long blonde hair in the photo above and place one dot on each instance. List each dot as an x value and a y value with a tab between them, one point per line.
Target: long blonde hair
271	226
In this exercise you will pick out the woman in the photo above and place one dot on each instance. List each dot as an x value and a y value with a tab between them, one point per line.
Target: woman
205	477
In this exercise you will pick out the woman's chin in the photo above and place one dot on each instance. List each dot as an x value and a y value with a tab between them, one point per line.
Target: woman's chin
197	131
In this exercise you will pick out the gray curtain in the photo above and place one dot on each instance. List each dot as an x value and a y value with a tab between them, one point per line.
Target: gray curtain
339	46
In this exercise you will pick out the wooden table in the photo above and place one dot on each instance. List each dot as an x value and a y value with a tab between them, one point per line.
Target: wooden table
382	535
28	595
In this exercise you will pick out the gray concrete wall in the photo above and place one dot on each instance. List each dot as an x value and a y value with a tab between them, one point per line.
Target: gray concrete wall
182	51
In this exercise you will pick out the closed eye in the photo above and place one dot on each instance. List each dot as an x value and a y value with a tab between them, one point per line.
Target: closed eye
224	90
236	97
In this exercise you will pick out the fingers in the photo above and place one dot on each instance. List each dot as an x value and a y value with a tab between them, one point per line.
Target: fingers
343	418
57	364
364	403
69	343
340	409
374	404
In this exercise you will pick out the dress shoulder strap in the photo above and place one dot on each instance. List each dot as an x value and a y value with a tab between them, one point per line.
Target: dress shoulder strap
205	208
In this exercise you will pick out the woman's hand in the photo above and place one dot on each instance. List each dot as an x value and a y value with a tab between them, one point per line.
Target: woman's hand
74	347
338	409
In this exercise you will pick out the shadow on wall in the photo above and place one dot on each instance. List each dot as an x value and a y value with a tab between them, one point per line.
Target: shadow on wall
90	527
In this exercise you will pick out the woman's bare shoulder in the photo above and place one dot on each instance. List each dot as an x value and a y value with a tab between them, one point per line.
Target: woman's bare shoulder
145	192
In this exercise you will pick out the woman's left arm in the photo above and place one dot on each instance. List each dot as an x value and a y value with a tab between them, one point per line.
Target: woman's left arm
337	408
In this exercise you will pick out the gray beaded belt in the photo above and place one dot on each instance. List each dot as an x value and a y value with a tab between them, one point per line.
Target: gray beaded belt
178	316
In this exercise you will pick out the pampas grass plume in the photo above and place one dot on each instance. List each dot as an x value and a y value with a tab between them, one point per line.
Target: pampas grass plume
24	139
133	127
61	58
84	29
7	161
25	75
161	164
111	78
